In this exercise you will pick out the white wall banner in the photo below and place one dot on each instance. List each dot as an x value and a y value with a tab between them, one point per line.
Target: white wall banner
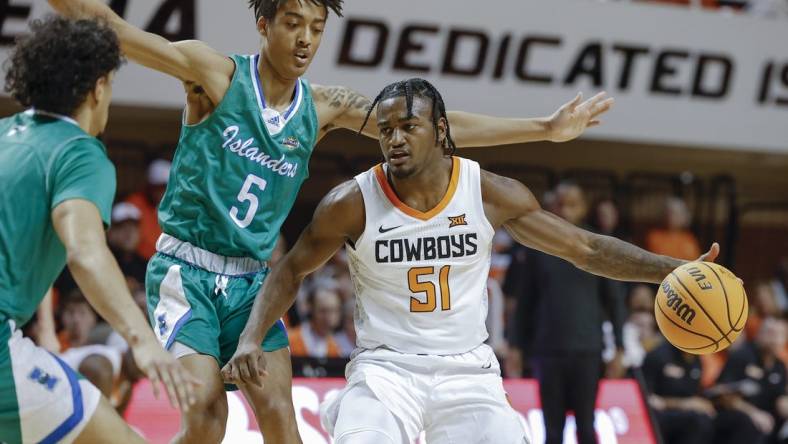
679	76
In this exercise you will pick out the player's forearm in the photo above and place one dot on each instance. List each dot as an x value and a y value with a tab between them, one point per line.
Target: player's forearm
274	299
616	259
476	130
100	279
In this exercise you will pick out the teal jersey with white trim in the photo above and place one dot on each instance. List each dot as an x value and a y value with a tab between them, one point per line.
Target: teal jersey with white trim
236	175
45	160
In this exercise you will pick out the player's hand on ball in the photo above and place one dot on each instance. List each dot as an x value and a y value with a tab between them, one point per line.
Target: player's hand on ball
572	118
247	366
160	367
710	255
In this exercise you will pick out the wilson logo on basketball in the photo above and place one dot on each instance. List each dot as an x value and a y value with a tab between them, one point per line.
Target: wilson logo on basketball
676	303
455	221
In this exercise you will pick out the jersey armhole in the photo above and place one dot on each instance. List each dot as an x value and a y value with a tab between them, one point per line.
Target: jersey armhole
361	187
219	106
476	171
307	87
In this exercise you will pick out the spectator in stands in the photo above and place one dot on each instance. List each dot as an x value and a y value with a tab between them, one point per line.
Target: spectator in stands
77	319
752	389
315	338
92	346
500	307
333	275
501	257
558	324
495	319
675	239
99	364
763	304
147	201
337	270
280	249
129	374
514	366
550	201
672	380
780	284
640	334
346	337
606	219
123	239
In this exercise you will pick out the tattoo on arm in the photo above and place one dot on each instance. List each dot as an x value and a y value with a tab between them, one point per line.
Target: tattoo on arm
620	260
344	98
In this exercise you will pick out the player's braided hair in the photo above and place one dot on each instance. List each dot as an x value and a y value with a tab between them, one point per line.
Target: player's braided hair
55	66
268	8
422	88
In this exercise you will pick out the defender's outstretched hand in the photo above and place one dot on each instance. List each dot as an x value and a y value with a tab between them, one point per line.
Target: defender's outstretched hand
572	118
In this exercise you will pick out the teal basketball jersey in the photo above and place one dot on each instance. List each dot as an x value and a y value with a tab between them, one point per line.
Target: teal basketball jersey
236	174
45	160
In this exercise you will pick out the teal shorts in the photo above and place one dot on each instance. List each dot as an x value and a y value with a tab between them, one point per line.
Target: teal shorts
203	310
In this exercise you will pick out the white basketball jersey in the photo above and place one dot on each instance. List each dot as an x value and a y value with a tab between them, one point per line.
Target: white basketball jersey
420	278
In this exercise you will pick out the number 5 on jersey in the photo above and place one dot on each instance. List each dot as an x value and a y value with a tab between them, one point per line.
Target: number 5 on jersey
427	287
245	195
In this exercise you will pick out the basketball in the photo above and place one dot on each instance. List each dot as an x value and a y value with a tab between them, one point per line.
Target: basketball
701	307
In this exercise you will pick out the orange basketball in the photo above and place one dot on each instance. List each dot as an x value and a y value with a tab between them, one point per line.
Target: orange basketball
701	307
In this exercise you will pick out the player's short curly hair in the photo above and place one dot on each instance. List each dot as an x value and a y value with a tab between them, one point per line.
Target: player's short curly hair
268	8
55	66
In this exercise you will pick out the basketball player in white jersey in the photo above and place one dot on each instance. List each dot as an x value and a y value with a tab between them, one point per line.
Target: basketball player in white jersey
419	232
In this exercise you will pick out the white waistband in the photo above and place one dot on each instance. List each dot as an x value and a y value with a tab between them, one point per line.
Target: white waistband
215	263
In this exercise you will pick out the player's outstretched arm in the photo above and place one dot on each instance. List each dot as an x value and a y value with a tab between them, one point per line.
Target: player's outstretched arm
341	107
569	121
79	226
189	61
339	217
511	204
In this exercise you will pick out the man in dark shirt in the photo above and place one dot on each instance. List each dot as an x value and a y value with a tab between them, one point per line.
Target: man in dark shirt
752	387
123	238
672	379
558	324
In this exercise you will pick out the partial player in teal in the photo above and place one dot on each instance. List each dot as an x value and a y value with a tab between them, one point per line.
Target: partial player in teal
58	187
250	125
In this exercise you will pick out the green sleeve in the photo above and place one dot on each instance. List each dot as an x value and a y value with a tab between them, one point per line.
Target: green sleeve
82	170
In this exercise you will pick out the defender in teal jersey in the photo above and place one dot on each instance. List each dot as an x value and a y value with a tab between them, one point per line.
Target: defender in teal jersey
249	127
58	187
